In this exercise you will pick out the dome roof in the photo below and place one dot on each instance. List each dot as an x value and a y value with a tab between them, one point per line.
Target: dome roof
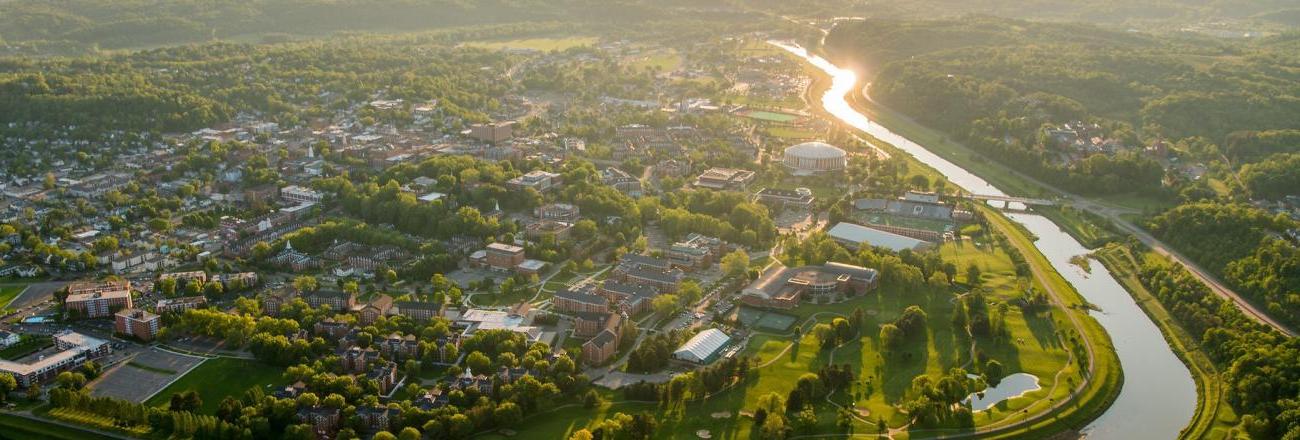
815	150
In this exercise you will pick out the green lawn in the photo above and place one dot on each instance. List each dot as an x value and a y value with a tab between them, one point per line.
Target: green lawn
1089	229
217	378
539	44
8	292
28	344
664	60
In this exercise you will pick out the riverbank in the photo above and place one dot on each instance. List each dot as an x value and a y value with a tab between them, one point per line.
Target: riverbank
1092	396
1214	417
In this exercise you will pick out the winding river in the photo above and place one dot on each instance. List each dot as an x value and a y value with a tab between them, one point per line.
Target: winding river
1159	396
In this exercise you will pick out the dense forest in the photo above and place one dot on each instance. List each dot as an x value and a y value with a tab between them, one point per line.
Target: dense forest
1000	85
1245	245
69	25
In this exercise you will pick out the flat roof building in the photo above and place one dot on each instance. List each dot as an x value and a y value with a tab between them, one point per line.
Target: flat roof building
855	236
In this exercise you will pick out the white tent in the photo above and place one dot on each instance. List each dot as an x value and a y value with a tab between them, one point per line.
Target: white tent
703	346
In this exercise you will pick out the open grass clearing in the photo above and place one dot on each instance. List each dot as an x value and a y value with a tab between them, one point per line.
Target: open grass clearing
217	378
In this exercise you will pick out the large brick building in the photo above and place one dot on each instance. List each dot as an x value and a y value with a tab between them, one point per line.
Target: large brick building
137	323
570	301
98	299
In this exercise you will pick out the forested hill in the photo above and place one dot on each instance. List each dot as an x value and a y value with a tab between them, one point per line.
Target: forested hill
1167	14
68	25
996	84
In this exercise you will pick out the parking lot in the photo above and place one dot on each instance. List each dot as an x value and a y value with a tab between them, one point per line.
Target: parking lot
139	378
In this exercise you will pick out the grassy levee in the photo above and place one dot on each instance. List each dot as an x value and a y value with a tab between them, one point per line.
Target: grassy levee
1107	377
1090	230
1213	419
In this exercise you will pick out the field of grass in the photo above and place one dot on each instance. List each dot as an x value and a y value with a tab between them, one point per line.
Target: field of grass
1214	419
217	378
661	60
538	44
12	426
8	292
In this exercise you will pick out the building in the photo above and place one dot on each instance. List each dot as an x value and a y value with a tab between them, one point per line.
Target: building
569	301
473	320
75	350
274	300
621	181
560	212
588	324
696	252
492	133
784	288
377	419
702	348
600	348
181	304
724	178
630	298
374	310
139	324
324	420
8	339
913	204
855	236
184	278
539	180
801	198
654	272
299	195
504	257
558	231
419	311
814	157
336	299
98	299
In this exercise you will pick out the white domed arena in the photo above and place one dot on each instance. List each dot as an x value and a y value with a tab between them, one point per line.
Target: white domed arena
814	157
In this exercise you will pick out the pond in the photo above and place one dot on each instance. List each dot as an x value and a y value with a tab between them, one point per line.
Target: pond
1010	387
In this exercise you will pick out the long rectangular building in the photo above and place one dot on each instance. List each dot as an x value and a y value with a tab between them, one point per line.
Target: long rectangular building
75	348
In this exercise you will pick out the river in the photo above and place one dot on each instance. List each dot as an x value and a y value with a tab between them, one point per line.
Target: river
1158	398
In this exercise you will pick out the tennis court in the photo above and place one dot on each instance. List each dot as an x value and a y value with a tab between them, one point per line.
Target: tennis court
763	319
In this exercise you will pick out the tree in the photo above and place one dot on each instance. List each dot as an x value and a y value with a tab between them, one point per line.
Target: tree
409	433
185	401
735	263
581	434
973	275
665	305
508	414
305	283
993	372
384	435
478	362
7	385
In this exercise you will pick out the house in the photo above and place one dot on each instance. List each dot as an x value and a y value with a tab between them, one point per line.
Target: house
273	301
329	328
399	348
600	348
356	359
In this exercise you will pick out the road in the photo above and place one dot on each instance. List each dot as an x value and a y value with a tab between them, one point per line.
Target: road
1196	270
